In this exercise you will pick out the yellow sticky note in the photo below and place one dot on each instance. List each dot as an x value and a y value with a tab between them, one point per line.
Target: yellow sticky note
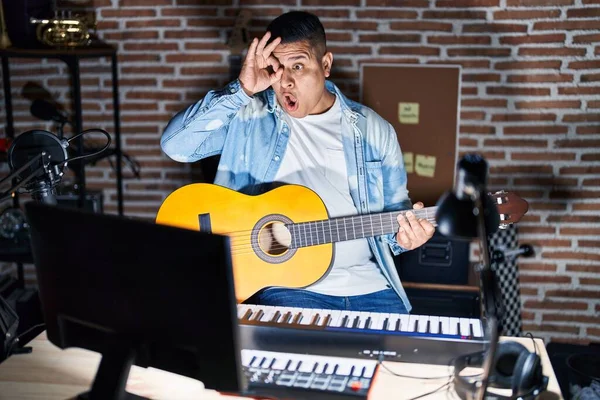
425	165
409	162
408	113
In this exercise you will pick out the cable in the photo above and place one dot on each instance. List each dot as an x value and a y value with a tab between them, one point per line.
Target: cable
108	141
16	341
534	343
380	363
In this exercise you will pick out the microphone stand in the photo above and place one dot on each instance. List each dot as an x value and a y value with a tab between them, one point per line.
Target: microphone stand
489	290
45	167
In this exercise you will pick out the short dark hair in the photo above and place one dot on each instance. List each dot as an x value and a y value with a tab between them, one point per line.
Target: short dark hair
296	26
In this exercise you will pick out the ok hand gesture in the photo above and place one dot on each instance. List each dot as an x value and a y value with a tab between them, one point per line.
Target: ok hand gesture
256	75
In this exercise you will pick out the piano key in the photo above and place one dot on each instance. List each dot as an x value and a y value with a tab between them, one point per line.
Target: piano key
280	363
363	317
370	370
454	328
465	327
445	325
477	328
412	323
434	325
423	323
344	368
404	323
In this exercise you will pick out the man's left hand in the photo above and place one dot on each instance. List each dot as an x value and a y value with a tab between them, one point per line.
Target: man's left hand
413	231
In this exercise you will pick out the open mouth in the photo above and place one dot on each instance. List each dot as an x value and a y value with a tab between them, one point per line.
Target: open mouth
290	102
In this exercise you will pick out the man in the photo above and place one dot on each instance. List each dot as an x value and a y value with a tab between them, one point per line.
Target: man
282	122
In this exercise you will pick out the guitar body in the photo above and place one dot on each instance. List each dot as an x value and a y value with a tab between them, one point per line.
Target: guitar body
259	247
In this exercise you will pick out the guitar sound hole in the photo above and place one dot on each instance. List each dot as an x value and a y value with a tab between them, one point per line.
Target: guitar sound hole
274	238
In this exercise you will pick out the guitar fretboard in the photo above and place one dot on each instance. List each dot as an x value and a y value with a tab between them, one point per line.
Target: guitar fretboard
349	228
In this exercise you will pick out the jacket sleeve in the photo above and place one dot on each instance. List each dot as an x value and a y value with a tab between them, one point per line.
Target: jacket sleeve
395	192
200	130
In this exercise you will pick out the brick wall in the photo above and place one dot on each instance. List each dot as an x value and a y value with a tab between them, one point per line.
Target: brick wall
530	90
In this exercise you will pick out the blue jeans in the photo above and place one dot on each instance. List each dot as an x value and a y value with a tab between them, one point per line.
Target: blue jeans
386	301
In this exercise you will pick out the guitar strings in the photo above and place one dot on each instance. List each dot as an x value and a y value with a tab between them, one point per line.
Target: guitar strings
241	246
310	231
312	227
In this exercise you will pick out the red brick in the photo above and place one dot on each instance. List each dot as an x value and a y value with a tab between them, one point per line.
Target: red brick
467	3
421	26
528	39
177	58
489	103
551	51
538	3
541	129
410	50
525	266
477	129
398	3
466	63
588	130
548	104
128	13
478	52
494	28
545	64
586	206
588	64
579	25
543	156
485	77
526	14
590	12
387	14
583	268
523	117
459	39
555	305
454	15
387	37
586	38
517	91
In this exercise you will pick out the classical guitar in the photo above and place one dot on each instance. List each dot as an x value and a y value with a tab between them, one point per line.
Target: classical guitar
285	236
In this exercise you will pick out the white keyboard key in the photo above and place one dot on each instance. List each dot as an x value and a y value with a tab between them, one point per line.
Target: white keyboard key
445	325
434	325
454	326
465	327
477	328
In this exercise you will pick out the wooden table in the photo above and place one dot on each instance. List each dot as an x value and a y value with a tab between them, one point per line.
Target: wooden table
51	373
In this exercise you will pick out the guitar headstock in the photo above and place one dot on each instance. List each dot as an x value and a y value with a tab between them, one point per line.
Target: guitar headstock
510	207
239	38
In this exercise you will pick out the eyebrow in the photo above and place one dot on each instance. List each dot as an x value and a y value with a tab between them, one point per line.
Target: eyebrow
302	56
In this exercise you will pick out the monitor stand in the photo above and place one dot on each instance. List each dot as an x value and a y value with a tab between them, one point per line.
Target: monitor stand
112	374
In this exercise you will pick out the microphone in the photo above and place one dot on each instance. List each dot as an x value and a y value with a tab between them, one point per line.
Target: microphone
38	159
47	111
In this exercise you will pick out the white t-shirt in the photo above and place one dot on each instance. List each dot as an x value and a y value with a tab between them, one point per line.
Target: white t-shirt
315	158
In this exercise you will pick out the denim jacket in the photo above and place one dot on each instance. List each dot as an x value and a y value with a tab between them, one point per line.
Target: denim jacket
251	136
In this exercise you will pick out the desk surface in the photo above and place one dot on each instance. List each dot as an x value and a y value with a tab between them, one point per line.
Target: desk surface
51	373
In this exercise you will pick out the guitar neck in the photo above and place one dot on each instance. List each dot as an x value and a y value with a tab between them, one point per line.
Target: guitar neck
349	228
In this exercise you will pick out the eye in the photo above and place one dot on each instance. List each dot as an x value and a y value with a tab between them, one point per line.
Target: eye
298	67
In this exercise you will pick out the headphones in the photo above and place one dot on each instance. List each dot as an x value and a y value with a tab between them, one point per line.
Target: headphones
514	367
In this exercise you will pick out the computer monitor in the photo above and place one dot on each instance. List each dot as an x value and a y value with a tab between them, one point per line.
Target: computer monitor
137	292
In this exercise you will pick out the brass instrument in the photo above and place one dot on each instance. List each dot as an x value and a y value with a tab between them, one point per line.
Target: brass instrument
73	31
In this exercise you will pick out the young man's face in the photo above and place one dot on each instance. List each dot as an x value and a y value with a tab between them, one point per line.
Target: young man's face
301	90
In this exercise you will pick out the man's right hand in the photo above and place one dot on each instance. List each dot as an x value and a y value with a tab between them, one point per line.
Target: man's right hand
256	75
